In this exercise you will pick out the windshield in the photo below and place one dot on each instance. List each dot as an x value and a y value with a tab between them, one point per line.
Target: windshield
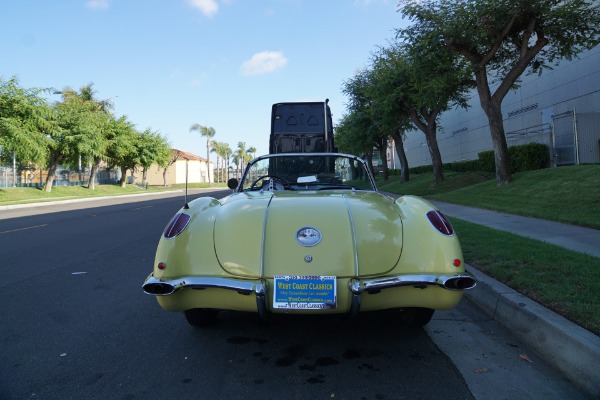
307	172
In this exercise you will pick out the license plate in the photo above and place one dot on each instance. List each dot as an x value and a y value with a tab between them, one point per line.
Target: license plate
304	292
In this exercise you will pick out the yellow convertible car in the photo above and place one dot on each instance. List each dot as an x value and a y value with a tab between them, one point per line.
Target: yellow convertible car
308	233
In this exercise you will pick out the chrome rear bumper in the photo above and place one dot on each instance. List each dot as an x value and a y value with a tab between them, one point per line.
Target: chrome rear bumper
455	282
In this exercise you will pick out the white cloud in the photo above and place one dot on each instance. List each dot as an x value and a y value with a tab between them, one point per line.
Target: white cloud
97	4
206	7
263	63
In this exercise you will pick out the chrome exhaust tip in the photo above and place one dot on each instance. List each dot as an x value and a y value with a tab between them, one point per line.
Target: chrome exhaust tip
158	288
459	282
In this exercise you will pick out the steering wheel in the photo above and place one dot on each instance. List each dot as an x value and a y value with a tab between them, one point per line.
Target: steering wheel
281	180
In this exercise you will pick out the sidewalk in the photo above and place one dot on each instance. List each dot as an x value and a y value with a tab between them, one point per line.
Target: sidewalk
569	348
583	240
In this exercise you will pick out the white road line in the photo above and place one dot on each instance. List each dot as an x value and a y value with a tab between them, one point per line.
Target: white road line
24	229
140	208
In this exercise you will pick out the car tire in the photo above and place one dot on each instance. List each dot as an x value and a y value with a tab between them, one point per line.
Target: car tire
416	317
201	317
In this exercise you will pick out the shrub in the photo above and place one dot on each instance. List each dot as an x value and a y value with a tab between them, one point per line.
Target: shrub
528	157
524	157
487	162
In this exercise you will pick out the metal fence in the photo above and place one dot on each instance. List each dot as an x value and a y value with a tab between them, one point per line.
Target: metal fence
11	176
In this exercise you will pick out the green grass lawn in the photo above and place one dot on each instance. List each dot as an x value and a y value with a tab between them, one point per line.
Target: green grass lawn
565	281
566	194
23	195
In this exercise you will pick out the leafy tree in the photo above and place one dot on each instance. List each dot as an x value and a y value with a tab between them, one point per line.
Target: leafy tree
501	39
72	131
93	149
207	132
351	134
360	104
23	122
152	148
390	112
418	80
122	149
173	157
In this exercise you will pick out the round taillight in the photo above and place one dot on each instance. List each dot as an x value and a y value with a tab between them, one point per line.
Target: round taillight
440	222
161	265
456	262
177	225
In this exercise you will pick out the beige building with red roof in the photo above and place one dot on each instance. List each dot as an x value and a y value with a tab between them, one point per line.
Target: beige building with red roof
197	168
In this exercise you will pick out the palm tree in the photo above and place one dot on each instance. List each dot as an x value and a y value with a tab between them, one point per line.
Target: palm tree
217	148
236	160
226	156
241	153
252	150
208	132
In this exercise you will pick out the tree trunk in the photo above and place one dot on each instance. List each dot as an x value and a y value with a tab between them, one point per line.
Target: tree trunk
501	157
399	144
51	174
123	180
93	173
207	158
165	177
492	106
144	176
434	152
382	147
428	126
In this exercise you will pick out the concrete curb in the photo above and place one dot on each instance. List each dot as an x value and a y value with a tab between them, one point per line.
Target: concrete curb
572	350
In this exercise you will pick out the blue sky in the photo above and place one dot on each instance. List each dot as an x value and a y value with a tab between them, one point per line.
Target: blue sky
167	64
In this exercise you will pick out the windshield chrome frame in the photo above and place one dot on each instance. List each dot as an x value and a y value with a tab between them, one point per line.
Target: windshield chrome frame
257	159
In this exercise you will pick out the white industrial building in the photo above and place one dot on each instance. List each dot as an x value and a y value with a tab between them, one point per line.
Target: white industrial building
560	108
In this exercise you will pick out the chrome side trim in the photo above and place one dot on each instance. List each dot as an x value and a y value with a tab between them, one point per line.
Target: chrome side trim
159	287
455	282
354	244
264	234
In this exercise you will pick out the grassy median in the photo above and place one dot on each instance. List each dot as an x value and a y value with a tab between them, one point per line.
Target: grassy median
24	195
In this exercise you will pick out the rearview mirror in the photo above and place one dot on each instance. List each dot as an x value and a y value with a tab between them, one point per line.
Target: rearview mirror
232	183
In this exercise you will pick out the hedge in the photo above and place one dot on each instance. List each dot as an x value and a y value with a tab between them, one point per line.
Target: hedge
524	157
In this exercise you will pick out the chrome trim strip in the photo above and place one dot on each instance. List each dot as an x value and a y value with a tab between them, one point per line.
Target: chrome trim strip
453	282
197	282
264	234
157	287
354	244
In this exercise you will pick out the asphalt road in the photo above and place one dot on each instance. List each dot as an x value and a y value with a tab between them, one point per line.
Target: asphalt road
75	324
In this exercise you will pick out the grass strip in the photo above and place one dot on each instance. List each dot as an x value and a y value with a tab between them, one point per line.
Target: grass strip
566	194
564	281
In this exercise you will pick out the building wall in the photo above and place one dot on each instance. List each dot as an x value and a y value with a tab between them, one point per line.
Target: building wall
197	173
560	108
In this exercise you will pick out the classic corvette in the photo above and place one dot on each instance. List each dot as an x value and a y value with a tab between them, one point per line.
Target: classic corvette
308	233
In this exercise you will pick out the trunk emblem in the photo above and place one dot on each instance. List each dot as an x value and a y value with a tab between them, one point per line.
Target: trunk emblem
308	236
308	259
